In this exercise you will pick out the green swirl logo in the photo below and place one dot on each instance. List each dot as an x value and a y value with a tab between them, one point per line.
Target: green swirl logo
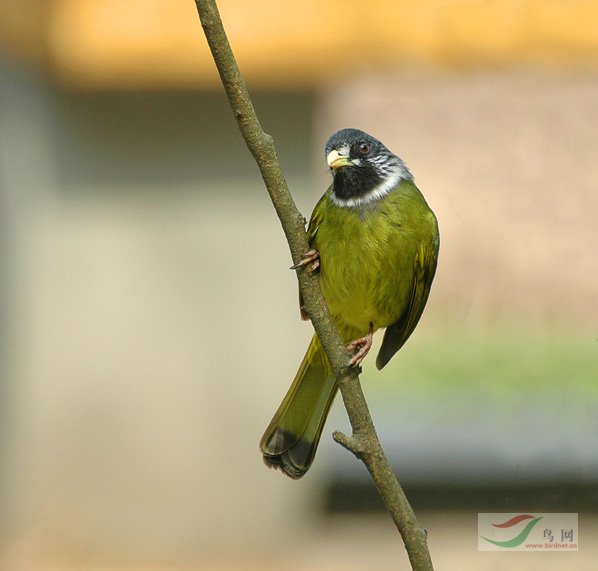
521	536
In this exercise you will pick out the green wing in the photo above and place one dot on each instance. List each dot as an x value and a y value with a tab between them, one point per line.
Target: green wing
423	273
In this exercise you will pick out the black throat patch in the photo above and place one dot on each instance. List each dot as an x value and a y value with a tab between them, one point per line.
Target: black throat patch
353	182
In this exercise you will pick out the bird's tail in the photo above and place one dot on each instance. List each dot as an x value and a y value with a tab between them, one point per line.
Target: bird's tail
292	437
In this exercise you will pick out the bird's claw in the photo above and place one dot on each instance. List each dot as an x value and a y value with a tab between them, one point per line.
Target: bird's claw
361	347
312	257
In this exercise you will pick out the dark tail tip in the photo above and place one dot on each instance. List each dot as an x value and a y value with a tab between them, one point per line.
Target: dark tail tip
283	451
278	463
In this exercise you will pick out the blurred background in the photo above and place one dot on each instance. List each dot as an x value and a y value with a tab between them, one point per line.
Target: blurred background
149	320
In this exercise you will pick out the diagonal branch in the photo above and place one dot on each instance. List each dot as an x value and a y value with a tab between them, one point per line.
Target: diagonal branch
364	441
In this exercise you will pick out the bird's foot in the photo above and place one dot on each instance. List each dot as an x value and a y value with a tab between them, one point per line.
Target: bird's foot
312	257
361	347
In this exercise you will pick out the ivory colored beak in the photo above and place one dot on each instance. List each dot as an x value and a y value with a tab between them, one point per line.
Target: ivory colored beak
336	160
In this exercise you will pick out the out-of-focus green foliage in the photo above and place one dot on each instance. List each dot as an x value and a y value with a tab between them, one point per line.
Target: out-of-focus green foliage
503	364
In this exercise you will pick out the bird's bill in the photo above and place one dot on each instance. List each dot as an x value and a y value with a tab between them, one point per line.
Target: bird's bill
336	160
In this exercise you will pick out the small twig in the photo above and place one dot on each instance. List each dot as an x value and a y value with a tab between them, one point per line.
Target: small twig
351	443
364	441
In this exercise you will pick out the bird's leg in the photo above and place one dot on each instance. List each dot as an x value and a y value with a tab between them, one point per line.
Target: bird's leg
312	257
362	347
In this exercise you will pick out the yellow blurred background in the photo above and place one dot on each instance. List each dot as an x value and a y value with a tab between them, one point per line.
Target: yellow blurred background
150	324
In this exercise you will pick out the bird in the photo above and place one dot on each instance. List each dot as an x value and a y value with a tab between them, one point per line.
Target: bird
374	245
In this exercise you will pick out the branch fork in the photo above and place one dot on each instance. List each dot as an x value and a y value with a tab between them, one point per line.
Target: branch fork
356	443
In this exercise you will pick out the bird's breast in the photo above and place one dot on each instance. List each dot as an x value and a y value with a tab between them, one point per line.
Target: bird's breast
365	259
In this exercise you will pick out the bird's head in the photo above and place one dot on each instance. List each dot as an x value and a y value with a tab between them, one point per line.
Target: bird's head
364	170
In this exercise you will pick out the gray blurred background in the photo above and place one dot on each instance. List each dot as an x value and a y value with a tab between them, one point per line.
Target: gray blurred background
149	320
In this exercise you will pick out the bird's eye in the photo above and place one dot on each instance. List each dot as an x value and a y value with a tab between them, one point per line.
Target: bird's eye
364	148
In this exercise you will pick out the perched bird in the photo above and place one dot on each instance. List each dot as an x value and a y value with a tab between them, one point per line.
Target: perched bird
375	245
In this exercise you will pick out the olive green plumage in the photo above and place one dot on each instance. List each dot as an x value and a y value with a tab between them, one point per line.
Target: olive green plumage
378	245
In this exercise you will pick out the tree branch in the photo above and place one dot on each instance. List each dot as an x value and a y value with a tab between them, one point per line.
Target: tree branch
364	441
